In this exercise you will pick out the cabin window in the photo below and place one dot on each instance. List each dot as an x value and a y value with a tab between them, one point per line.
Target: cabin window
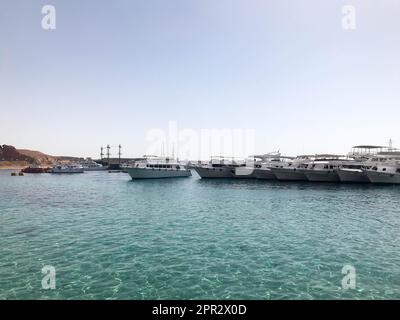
384	169
398	170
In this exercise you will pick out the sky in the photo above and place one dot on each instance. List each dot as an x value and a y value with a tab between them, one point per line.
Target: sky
115	72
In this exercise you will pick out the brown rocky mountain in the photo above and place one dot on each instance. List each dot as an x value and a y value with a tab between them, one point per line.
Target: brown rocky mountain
10	153
12	158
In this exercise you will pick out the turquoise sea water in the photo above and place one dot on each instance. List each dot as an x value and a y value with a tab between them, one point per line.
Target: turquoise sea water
112	238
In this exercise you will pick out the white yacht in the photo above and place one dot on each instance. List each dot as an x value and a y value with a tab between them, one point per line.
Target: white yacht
248	170
324	168
263	170
66	169
387	170
365	157
90	165
151	167
217	167
291	170
353	173
385	173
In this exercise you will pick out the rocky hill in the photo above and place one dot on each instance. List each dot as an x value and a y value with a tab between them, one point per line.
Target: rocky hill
12	158
39	157
10	153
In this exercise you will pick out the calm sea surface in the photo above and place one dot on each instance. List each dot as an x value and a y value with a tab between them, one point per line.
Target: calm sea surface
109	237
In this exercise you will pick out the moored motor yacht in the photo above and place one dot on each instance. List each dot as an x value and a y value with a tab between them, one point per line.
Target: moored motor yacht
324	168
263	171
387	168
354	173
364	158
91	165
248	170
385	173
217	167
151	167
67	169
291	170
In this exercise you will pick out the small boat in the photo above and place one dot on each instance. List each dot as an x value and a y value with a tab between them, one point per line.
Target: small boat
67	169
34	169
156	168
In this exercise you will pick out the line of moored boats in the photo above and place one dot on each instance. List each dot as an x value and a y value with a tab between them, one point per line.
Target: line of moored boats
78	167
364	164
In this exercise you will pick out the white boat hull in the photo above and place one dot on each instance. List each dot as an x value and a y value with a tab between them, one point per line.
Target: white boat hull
154	173
219	172
383	177
353	175
66	171
244	173
95	168
321	175
285	174
264	174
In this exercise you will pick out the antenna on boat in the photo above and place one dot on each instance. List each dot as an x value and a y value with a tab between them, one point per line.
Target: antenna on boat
390	144
101	153
108	154
119	154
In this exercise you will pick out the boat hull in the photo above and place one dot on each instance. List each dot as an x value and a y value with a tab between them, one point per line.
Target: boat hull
383	177
95	168
321	175
213	173
244	173
264	174
69	171
34	170
284	174
154	173
352	176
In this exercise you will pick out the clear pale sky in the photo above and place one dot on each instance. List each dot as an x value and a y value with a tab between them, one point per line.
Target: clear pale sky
113	70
